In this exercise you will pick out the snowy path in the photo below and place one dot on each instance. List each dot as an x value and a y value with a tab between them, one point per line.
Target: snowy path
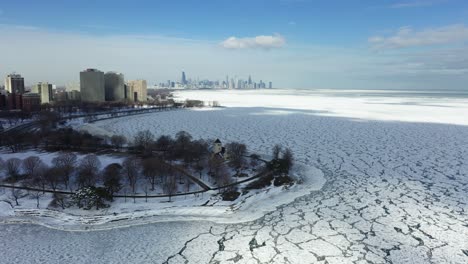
397	192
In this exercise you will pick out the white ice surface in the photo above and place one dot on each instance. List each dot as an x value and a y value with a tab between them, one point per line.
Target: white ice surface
357	104
396	192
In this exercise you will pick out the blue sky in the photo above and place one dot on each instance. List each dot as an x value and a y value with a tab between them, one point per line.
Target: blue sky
406	44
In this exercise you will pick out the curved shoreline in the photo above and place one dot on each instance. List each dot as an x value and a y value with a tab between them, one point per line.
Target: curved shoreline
248	208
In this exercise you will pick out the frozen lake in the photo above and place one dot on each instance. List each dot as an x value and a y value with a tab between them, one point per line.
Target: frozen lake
397	189
24	243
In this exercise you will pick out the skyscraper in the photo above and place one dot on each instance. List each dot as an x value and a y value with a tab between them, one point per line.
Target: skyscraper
92	86
14	83
115	86
232	84
184	79
44	89
270	85
250	80
261	85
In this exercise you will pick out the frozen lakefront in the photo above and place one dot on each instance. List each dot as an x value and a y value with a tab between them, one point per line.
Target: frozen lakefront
396	191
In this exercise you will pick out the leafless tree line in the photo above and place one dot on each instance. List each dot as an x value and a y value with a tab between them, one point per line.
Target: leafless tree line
66	172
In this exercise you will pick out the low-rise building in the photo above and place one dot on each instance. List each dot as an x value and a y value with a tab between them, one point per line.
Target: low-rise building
218	150
137	90
31	102
14	101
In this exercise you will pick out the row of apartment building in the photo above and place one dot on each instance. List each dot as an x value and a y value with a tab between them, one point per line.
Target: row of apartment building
95	86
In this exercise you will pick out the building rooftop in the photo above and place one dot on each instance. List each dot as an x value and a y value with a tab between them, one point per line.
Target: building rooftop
91	70
31	95
14	75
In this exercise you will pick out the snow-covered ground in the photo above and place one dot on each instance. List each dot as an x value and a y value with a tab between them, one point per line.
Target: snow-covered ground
396	192
126	212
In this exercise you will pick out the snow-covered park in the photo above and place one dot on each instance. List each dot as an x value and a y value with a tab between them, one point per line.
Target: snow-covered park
396	191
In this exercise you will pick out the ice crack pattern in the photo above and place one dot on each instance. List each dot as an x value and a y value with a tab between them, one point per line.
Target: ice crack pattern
396	193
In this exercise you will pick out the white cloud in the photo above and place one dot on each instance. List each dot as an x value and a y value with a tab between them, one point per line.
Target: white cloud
413	4
292	23
262	42
57	57
407	37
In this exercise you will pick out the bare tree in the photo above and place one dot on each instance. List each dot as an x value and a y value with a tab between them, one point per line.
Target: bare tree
2	165
188	184
59	200
13	167
236	152
131	169
143	140
31	165
198	150
88	170
215	163
288	158
223	178
276	151
53	177
118	141
112	177
199	166
152	169
254	160
14	141
39	177
36	195
145	189
164	143
47	120
182	143
67	163
170	185
16	194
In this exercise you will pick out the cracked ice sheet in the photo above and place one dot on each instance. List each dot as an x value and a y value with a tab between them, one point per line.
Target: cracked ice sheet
140	244
396	191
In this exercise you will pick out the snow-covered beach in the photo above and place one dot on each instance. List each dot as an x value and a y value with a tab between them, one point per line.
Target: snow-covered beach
396	191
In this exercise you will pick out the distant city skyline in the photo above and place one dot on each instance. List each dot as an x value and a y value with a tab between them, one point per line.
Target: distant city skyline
235	82
189	82
394	44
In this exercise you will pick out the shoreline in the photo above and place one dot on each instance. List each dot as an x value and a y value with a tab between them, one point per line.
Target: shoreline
251	207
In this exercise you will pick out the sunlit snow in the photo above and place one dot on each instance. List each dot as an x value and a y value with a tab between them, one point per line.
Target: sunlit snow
396	190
